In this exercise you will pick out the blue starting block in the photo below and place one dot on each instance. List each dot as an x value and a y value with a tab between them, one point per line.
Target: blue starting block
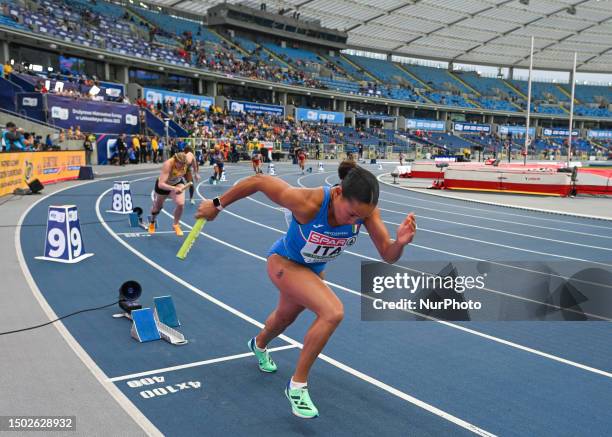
155	324
134	220
165	311
144	327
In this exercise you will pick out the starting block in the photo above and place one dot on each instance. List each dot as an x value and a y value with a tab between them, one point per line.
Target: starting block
165	311
172	336
309	170
155	324
144	327
271	170
380	167
223	177
321	169
136	218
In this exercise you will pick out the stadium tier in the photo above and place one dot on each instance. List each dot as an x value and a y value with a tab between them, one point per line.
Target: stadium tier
151	34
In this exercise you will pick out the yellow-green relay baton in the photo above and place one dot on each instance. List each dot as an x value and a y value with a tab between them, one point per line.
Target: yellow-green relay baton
191	238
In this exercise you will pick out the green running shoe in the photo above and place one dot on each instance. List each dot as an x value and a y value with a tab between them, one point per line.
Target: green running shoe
301	404
265	361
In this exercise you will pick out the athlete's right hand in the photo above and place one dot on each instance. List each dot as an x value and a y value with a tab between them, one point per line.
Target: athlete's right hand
207	210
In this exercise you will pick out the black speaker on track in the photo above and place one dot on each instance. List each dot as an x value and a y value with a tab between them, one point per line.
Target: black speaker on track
86	172
35	186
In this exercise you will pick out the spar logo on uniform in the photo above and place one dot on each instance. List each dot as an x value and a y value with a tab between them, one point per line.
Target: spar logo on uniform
320	247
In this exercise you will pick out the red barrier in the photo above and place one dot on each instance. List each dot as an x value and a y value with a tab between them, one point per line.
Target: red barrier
509	180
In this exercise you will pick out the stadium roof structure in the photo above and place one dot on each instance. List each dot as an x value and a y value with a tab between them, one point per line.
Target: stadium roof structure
482	32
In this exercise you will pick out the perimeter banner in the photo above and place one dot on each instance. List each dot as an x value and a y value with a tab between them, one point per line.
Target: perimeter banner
91	116
559	132
255	108
604	134
12	171
315	115
32	105
472	127
48	167
426	125
155	95
515	130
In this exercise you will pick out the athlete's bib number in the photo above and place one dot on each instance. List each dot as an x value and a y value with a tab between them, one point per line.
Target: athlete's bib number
321	248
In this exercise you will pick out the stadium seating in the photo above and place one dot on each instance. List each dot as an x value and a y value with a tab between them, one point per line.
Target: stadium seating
438	78
112	27
385	71
541	91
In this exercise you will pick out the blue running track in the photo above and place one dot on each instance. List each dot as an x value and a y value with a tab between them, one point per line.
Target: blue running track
375	378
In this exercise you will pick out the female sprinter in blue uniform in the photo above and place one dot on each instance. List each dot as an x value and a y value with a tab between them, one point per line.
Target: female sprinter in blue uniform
325	222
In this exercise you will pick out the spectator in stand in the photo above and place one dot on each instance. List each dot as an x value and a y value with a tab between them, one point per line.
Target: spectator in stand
154	149
132	156
27	140
39	86
12	138
145	149
7	69
160	149
122	149
135	149
48	143
88	146
38	144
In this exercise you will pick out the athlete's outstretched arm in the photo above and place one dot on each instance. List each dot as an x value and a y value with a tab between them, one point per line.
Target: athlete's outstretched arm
390	250
277	190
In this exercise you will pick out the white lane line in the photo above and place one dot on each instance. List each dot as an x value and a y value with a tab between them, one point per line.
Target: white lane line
142	234
519	234
195	364
125	403
524	269
505	246
500	221
377	383
505	222
449	324
500	205
349	252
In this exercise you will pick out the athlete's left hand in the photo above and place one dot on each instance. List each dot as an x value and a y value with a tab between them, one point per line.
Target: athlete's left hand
197	177
407	229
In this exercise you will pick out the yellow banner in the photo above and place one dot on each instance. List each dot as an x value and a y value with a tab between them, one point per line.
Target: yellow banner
48	167
12	171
